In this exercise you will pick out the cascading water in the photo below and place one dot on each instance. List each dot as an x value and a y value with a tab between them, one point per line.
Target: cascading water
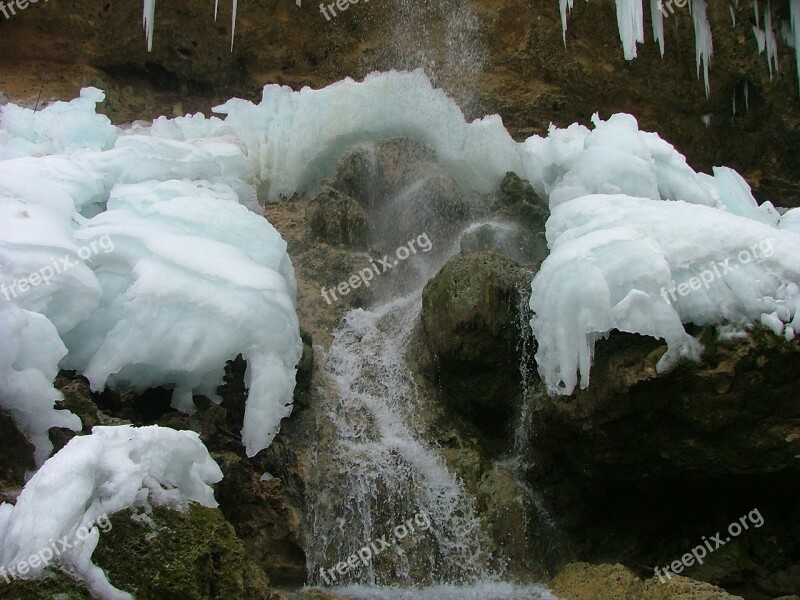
374	469
451	54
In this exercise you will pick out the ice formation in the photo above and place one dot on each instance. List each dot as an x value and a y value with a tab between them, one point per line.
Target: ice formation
620	251
148	20
195	279
93	477
617	262
631	30
131	256
630	21
704	47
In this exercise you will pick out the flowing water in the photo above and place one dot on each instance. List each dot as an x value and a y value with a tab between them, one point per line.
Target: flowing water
381	491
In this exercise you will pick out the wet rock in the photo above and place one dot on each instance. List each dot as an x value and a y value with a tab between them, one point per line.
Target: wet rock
733	414
637	457
469	310
265	520
470	323
16	458
583	581
193	555
337	219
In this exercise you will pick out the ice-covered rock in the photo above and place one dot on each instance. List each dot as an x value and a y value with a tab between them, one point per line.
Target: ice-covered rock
135	248
57	514
646	266
194	280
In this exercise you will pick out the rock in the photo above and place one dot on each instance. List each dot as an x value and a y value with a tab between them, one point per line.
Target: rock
733	414
193	555
683	588
318	594
268	524
514	190
528	248
337	219
470	322
519	531
16	458
470	309
60	585
583	581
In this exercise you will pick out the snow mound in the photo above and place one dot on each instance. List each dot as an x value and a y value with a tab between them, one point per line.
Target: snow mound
194	280
294	138
29	356
135	250
93	476
61	127
645	266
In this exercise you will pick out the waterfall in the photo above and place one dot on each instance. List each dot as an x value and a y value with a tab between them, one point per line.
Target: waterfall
375	472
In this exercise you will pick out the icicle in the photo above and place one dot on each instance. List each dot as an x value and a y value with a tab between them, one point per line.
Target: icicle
216	6
565	6
794	9
148	20
755	9
657	16
704	47
233	22
761	39
733	15
734	101
630	21
770	41
747	95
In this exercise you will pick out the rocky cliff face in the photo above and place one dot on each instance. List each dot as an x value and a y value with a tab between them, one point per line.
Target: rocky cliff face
504	56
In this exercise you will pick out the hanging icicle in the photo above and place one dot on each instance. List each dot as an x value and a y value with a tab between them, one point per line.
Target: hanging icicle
794	10
148	20
657	16
704	47
630	21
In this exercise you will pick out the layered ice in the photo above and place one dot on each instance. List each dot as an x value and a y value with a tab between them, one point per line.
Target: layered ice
646	266
93	477
62	127
294	138
195	279
29	356
134	251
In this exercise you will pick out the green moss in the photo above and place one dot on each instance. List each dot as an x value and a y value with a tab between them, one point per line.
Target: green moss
44	589
193	556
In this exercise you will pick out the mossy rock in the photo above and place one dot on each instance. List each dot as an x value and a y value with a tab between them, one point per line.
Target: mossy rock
59	585
338	219
192	555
